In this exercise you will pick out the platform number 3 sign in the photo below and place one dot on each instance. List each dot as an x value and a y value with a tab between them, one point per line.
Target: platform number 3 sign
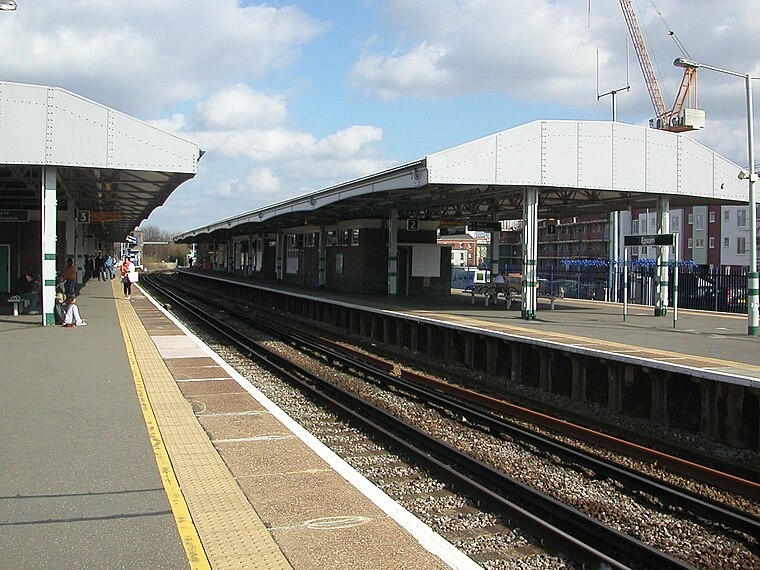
83	216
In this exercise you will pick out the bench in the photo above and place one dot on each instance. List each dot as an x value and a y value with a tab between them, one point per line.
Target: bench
16	301
491	292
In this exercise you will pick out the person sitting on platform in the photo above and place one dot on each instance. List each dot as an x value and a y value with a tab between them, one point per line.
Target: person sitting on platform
59	310
500	278
29	290
73	318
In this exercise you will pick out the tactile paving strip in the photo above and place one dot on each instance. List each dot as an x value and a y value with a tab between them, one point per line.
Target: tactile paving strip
232	534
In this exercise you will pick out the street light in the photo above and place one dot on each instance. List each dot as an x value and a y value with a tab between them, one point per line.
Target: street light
752	276
7	5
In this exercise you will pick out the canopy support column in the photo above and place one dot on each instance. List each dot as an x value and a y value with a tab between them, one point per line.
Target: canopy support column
614	272
279	253
49	221
322	257
663	257
494	248
530	253
393	252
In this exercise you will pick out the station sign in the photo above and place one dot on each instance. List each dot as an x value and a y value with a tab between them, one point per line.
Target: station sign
484	226
453	230
104	217
14	215
655	239
131	239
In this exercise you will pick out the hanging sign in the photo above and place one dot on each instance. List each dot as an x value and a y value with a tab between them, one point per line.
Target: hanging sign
83	216
104	217
655	239
14	215
484	226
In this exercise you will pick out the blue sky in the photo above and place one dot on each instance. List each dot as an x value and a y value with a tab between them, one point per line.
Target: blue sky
291	97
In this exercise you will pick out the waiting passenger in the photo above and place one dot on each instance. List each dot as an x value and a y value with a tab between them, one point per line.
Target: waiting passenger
69	273
29	290
73	318
128	275
59	310
500	278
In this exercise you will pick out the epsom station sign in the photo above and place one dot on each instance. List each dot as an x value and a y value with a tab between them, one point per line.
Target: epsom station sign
656	239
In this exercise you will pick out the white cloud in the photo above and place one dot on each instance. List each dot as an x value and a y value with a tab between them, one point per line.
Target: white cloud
544	51
142	56
240	107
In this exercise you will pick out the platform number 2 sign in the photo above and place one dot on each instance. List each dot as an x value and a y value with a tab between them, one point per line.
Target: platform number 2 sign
412	224
83	216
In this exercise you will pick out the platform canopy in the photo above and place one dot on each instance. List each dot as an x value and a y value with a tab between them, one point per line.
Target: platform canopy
114	166
579	167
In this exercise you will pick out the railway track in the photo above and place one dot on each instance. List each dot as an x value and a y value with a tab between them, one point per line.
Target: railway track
567	529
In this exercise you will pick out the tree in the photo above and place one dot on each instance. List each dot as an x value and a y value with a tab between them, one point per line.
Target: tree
166	252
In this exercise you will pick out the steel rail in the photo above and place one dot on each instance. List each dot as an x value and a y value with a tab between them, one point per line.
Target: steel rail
552	510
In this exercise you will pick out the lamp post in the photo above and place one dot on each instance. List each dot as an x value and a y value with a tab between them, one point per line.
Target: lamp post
752	276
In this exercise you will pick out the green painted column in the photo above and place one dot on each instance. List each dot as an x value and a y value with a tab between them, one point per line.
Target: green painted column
530	253
48	222
322	256
393	252
663	258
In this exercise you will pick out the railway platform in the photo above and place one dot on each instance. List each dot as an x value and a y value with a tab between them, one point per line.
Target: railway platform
129	444
703	375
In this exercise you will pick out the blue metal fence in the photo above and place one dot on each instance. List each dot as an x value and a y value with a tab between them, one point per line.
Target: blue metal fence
698	288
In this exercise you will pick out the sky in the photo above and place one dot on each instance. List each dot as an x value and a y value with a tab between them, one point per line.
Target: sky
291	97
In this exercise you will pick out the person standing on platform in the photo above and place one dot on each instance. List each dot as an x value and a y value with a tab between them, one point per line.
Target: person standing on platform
108	266
128	275
69	273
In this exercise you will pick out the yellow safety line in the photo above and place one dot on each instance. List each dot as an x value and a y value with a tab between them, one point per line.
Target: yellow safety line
187	532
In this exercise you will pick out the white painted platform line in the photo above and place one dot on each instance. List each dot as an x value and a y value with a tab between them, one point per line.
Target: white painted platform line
429	539
176	346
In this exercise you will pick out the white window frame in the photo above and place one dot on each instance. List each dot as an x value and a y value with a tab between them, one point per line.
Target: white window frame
741	218
712	243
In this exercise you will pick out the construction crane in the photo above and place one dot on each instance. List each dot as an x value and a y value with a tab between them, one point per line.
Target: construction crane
683	116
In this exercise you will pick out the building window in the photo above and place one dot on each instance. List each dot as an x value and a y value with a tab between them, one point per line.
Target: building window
690	243
712	243
726	215
726	242
674	221
712	217
699	243
741	218
634	226
691	219
332	238
635	250
354	237
699	222
741	245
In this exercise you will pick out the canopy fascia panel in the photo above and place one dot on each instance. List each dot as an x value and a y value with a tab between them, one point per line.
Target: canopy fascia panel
49	126
412	175
107	162
591	155
579	167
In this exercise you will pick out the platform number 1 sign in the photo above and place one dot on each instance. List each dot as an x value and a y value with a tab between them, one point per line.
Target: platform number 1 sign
83	216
